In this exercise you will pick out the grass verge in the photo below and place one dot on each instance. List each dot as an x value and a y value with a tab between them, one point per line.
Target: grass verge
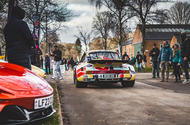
54	119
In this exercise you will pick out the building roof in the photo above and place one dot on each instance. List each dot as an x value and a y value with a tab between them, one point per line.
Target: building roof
129	41
163	31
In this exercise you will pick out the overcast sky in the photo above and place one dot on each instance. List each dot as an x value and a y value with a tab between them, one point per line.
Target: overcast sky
85	13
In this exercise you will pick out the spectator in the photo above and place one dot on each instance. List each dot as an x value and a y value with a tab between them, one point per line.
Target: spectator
19	39
165	58
177	61
47	64
139	59
64	62
72	62
124	55
185	53
144	59
41	62
57	54
154	53
133	61
126	58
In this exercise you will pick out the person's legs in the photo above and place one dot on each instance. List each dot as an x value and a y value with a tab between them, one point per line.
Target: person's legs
59	70
138	65
167	65
178	73
163	70
153	69
175	71
46	66
158	69
185	68
55	70
49	69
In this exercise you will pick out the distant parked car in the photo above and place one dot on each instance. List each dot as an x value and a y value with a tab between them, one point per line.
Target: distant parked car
103	67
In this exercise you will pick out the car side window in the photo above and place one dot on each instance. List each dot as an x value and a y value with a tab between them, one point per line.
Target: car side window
83	57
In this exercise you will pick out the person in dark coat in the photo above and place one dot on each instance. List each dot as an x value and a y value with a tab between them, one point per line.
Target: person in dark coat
144	60
126	58
47	64
139	59
72	62
154	53
185	53
18	38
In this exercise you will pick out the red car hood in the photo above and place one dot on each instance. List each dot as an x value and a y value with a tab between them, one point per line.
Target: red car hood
17	78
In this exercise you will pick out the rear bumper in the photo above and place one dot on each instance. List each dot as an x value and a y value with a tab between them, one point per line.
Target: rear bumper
94	79
14	115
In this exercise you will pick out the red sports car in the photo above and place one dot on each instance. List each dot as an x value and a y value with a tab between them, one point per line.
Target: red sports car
24	97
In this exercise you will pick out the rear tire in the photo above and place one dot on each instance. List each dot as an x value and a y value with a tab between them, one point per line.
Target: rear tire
128	84
79	84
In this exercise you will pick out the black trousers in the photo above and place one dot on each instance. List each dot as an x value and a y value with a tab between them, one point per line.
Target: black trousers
47	69
186	67
177	71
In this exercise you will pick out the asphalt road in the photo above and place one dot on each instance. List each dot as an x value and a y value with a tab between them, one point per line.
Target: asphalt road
148	103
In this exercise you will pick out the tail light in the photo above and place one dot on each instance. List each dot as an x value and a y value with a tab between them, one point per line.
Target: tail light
125	71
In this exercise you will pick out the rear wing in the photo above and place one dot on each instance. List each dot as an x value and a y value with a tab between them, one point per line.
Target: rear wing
106	61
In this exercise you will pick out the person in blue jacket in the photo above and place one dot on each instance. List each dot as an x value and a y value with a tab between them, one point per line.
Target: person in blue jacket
177	61
165	57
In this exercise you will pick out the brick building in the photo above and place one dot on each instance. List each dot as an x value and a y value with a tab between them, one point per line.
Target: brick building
155	33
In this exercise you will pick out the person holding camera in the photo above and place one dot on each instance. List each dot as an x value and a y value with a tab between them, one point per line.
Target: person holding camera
154	53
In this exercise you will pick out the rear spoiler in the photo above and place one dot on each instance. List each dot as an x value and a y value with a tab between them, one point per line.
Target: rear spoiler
107	61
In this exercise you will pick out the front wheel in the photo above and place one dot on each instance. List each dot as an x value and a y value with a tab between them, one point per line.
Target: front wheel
79	84
128	84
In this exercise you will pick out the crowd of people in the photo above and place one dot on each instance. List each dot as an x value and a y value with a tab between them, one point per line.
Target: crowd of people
166	58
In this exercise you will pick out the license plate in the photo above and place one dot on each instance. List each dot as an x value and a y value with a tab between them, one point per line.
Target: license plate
43	102
107	76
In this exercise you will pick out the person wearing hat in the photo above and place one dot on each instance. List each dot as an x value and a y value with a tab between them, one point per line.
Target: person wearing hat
154	53
57	54
19	39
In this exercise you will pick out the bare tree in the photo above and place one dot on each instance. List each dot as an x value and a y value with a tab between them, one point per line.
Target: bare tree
179	13
143	9
120	11
84	37
102	25
3	4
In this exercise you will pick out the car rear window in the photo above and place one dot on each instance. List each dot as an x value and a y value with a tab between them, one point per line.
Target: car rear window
104	55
